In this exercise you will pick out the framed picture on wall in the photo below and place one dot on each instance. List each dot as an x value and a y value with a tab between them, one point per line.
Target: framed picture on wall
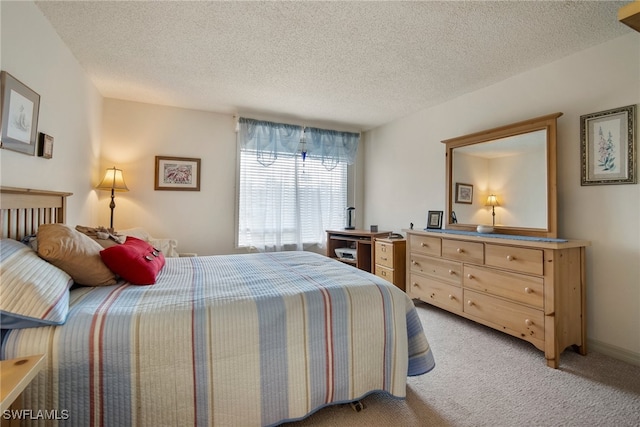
434	220
45	146
464	193
608	147
20	107
177	173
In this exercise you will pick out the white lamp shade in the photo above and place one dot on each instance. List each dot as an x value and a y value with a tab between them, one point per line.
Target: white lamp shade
113	180
492	200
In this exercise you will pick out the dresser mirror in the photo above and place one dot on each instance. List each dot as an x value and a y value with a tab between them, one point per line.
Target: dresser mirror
516	165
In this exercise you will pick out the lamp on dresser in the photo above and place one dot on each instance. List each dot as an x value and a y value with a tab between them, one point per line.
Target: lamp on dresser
492	201
113	180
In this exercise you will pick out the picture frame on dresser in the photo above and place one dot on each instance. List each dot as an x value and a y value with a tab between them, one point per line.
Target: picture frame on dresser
434	220
608	147
20	107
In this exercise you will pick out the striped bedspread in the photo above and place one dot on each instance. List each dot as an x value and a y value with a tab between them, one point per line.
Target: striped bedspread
242	340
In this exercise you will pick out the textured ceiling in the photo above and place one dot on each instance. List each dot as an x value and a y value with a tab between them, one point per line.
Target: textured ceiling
354	64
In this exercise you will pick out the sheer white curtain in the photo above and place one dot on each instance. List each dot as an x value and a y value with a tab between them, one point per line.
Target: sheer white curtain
285	203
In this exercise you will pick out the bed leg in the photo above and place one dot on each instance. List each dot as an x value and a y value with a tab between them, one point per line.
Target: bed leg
357	406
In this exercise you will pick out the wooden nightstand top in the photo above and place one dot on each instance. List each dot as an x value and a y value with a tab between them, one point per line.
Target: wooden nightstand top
15	376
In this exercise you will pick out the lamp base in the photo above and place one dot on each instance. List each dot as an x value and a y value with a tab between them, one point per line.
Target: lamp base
484	229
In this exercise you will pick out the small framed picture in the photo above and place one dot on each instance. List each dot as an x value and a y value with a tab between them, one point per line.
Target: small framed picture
45	146
177	173
464	193
434	220
608	147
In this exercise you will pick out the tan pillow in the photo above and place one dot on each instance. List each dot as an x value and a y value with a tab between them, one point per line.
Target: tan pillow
76	254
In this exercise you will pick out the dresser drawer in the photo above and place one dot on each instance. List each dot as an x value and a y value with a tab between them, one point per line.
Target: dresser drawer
384	272
524	260
435	292
384	254
425	245
517	287
514	318
448	271
461	250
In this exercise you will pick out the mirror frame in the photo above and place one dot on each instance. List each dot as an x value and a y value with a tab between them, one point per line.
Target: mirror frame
548	122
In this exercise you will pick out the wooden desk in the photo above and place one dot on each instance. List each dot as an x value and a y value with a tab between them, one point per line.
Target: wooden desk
15	376
360	240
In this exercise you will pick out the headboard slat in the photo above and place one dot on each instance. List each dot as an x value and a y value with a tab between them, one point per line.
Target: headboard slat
23	210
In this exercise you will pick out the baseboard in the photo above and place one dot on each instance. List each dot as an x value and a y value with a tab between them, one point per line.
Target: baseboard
614	351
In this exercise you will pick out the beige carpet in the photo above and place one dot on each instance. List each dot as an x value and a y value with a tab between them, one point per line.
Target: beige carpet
485	378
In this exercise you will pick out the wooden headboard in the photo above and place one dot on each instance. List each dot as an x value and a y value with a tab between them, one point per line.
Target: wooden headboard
23	210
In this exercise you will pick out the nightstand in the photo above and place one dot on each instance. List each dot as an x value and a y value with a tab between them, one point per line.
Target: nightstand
390	256
15	376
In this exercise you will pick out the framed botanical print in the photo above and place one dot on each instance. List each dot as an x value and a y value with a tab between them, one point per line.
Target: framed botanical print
608	147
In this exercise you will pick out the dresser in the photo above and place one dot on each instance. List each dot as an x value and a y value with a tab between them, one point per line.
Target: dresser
390	260
532	289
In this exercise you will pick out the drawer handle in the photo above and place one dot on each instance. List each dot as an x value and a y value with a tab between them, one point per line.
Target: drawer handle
424	245
470	303
414	262
383	258
510	258
528	322
451	272
415	284
470	276
528	290
451	297
459	250
384	273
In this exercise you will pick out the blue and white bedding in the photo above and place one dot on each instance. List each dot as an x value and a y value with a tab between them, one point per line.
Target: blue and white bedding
256	339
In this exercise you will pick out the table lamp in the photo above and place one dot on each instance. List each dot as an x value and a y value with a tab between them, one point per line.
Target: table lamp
492	201
114	181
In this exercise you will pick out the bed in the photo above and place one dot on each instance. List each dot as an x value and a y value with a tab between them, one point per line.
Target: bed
251	339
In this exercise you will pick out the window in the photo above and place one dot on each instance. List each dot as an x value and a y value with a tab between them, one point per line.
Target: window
289	202
285	201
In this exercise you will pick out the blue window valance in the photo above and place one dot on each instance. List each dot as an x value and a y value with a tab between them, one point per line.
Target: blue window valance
270	140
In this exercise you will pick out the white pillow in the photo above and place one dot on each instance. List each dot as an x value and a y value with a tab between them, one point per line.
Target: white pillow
137	232
168	247
32	292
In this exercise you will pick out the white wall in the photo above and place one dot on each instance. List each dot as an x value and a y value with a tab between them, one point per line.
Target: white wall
405	173
133	134
70	110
